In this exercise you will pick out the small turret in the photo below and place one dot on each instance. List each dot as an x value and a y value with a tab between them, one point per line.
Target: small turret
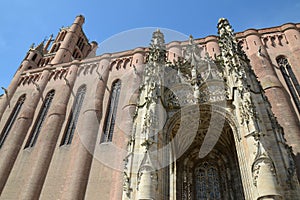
33	57
92	52
71	43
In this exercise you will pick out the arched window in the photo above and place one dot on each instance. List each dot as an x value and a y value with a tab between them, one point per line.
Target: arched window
207	182
111	113
40	120
71	125
34	57
290	79
12	118
62	36
58	46
53	48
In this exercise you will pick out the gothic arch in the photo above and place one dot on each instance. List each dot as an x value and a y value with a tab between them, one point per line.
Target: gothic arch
290	78
222	159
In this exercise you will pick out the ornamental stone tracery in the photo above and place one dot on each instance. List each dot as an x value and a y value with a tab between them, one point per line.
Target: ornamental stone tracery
193	80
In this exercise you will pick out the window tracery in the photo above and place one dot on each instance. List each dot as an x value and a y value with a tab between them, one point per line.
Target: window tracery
111	112
207	182
11	120
214	177
40	120
290	79
73	118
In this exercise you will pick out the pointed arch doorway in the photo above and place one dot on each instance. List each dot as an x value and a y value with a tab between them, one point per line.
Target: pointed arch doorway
215	176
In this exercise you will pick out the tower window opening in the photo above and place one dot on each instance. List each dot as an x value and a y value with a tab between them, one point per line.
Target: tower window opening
62	36
34	57
57	47
53	48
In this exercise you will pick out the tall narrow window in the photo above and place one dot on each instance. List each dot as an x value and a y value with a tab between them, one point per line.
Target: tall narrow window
290	79
12	118
40	120
34	57
111	112
207	182
71	125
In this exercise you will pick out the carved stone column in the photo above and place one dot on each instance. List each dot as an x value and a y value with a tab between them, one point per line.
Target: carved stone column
147	180
140	171
264	175
252	106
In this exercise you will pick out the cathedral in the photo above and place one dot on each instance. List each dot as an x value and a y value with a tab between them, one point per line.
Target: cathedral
213	118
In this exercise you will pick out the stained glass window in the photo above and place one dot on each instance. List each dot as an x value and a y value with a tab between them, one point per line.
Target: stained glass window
40	120
73	118
290	79
207	182
111	112
12	118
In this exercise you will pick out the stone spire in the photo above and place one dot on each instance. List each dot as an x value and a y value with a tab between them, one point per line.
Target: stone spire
240	76
40	48
141	162
193	56
251	104
157	48
233	59
225	32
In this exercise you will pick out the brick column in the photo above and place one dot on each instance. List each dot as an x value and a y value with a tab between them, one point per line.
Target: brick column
5	100
87	130
212	46
48	137
293	37
277	95
11	148
174	51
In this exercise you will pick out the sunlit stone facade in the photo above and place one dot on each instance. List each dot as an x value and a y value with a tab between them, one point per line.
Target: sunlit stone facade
209	118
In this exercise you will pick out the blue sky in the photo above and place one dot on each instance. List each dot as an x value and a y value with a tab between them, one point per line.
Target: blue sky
26	22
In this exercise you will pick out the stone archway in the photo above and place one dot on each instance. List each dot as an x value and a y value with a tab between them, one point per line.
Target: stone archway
215	176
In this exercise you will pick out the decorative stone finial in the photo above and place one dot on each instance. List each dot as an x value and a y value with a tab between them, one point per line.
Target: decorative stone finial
224	23
191	39
157	38
40	47
157	48
193	52
32	46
